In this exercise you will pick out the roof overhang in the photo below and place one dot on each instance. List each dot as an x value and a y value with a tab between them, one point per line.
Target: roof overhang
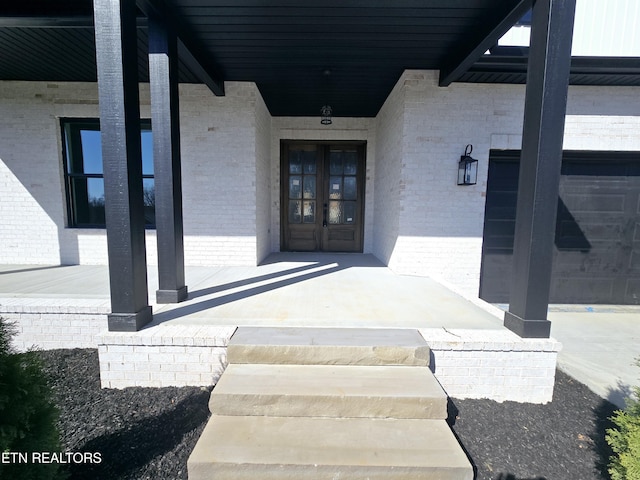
506	67
301	55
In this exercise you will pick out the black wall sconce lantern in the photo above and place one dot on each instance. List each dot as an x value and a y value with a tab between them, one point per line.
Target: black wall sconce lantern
467	168
325	115
326	111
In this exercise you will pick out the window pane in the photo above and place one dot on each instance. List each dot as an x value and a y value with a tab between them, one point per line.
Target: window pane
295	162
91	151
95	187
310	186
309	212
350	163
335	163
309	163
349	212
67	150
350	190
335	212
88	200
146	141
294	211
335	188
295	187
149	197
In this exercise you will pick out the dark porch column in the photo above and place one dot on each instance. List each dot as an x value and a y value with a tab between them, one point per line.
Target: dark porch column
544	116
163	76
116	55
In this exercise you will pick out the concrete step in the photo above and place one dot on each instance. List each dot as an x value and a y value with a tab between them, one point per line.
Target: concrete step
270	448
329	391
328	346
328	403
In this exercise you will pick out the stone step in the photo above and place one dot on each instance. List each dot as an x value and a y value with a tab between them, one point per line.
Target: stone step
329	391
328	346
270	448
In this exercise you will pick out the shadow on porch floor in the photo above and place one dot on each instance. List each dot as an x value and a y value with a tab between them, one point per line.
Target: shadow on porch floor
321	290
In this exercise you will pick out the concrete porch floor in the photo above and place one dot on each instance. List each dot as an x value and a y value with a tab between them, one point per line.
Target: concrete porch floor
345	290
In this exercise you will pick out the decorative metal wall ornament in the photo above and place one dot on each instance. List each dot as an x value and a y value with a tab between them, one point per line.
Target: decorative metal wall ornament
325	115
467	168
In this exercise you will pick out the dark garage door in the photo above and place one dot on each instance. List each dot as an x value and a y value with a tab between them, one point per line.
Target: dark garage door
596	258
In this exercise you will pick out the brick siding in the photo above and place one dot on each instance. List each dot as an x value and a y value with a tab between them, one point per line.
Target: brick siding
417	220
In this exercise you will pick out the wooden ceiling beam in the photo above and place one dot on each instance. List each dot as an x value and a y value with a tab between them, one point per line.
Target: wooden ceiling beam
189	51
477	44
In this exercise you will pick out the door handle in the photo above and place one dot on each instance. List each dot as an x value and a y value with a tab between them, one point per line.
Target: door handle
324	215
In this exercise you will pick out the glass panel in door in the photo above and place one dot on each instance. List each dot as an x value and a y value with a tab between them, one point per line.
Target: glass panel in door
343	186
344	199
300	229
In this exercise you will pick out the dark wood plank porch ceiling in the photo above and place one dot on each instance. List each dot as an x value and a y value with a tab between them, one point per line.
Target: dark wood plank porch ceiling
284	46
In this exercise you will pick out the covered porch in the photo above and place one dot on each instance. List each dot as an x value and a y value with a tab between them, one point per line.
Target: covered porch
67	307
225	91
287	289
361	71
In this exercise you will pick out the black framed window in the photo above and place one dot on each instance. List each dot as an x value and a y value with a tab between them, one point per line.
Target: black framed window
84	181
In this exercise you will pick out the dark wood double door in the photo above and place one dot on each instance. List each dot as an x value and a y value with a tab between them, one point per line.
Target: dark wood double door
322	196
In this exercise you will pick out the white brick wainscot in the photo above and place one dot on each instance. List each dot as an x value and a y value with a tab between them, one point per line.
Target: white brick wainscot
492	364
163	355
495	364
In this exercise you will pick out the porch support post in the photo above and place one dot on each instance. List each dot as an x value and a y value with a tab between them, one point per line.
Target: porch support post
116	58
541	158
163	76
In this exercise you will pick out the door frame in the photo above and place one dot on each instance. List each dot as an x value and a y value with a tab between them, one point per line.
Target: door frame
284	148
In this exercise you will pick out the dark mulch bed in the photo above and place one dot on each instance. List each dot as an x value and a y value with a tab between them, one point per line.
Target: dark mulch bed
148	433
142	433
562	440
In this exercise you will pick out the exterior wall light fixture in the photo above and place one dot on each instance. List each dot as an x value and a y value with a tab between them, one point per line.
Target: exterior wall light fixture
325	115
467	168
326	110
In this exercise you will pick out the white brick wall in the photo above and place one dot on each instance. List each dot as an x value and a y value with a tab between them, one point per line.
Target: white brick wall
163	355
495	364
416	218
219	151
49	323
389	185
219	174
31	205
440	223
263	180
